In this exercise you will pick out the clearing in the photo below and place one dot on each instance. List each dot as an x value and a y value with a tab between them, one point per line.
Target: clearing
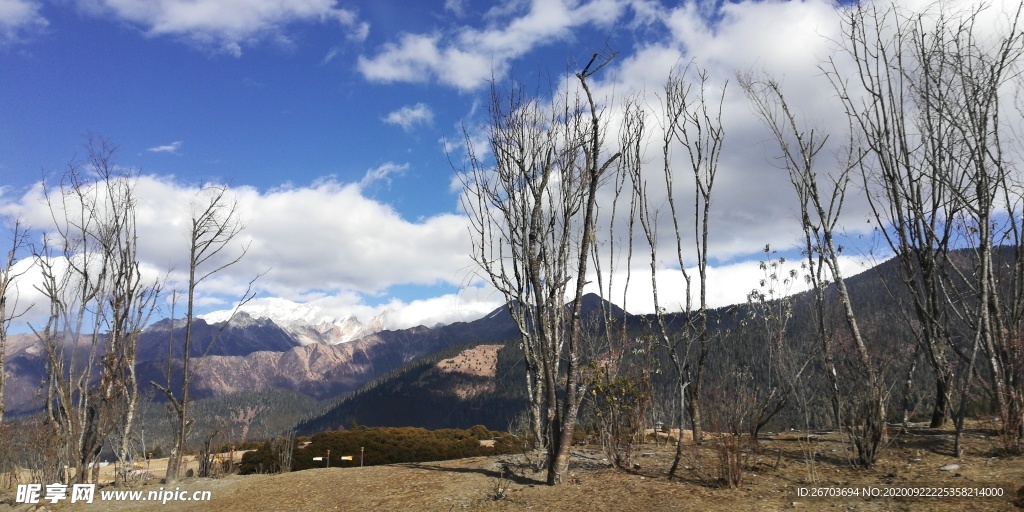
776	472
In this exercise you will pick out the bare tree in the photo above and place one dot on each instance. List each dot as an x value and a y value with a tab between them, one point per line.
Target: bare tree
9	301
131	300
694	122
622	363
99	303
979	68
215	224
533	226
859	392
770	307
67	377
912	166
927	101
283	448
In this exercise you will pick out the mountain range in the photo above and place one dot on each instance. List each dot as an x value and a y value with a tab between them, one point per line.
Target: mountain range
455	375
307	323
259	349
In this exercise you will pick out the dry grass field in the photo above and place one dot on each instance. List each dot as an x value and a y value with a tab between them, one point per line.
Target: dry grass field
774	473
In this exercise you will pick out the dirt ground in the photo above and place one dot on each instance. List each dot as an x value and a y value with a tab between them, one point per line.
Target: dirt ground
776	472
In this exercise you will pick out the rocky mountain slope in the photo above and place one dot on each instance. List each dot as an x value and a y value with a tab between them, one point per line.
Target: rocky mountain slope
253	351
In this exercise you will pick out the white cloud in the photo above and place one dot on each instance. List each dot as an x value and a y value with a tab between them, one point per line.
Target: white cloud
171	148
382	173
326	239
226	25
329	236
727	284
359	32
457	7
18	17
411	115
331	54
467	58
467	304
413	59
470	303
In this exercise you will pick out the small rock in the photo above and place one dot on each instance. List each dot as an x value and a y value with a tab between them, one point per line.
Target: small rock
950	467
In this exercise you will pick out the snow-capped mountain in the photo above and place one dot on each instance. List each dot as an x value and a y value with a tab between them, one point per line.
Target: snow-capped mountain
307	323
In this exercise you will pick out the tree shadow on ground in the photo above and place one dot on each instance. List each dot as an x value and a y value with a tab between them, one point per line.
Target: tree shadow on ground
506	473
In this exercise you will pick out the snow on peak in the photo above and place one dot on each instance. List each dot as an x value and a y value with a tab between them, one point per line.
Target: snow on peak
308	323
280	311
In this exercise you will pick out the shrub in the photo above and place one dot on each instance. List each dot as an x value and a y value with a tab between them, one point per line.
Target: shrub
262	460
389	445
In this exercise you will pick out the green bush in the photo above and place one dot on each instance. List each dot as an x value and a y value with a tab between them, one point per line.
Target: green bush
481	433
262	460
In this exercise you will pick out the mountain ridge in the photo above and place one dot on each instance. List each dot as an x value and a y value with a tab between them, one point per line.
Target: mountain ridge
307	323
250	353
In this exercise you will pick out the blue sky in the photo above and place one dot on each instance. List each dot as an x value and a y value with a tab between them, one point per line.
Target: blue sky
280	112
329	119
290	104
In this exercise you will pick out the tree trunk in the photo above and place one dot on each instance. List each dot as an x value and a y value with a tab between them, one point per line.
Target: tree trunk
693	407
940	413
681	421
